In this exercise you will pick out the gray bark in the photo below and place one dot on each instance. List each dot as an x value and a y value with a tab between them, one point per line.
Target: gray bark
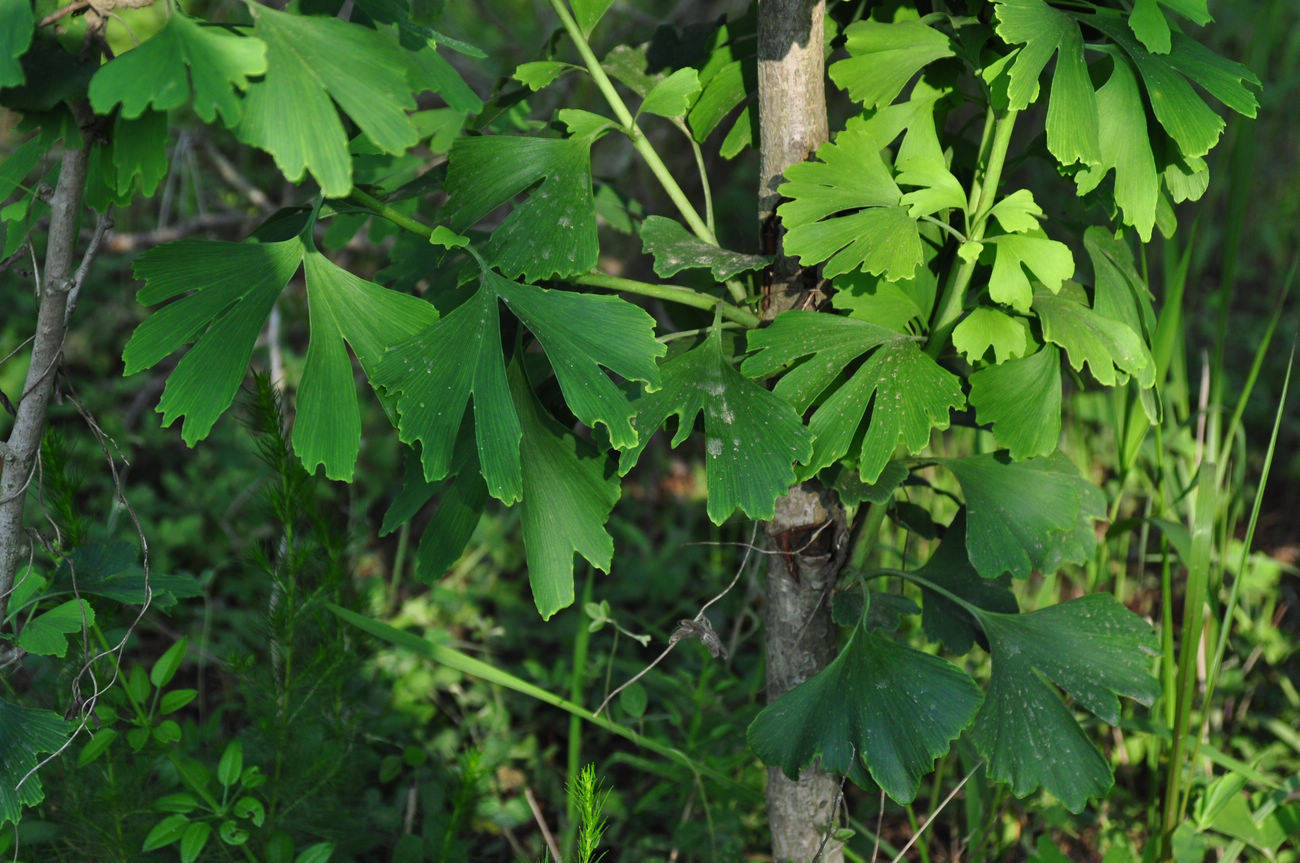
23	446
808	526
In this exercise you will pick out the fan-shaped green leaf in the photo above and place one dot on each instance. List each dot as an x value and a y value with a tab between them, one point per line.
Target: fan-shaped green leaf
588	12
986	328
1125	148
949	568
1168	78
1028	515
16	21
183	57
675	249
568	493
312	60
582	332
1094	649
541	73
902	306
752	437
47	633
847	210
344	308
1110	349
435	372
553	232
884	57
673	96
433	376
1050	261
912	394
234	287
880	705
25	733
1072	118
1022	399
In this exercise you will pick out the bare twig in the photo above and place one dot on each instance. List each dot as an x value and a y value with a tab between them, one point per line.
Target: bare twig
935	814
102	226
542	825
697	627
835	808
234	179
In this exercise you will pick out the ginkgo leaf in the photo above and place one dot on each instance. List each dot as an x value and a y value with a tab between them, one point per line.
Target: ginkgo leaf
986	328
1168	78
846	209
436	372
552	233
879	704
1050	261
811	350
884	57
25	733
47	633
136	159
568	493
907	392
1092	648
1072	115
183	57
344	308
903	306
673	96
751	437
853	491
16	22
1124	149
234	286
675	249
1018	213
945	620
728	77
913	396
461	500
1028	515
1119	292
588	12
581	333
312	60
539	74
1109	348
1022	399
1149	25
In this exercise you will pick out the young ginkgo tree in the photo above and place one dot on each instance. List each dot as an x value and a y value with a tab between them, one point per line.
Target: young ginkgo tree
937	295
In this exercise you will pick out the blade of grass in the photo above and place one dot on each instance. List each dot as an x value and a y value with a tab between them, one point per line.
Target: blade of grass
1216	663
465	664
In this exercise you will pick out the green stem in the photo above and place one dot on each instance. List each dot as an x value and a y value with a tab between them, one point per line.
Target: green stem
984	190
639	141
672	293
577	683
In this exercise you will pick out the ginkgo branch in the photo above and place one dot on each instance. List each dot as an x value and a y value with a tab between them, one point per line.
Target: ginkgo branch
629	127
984	188
672	293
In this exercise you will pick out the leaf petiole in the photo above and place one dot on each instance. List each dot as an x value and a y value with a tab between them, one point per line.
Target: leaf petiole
629	127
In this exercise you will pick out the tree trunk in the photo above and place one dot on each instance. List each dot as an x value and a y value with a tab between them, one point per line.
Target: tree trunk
808	526
18	455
